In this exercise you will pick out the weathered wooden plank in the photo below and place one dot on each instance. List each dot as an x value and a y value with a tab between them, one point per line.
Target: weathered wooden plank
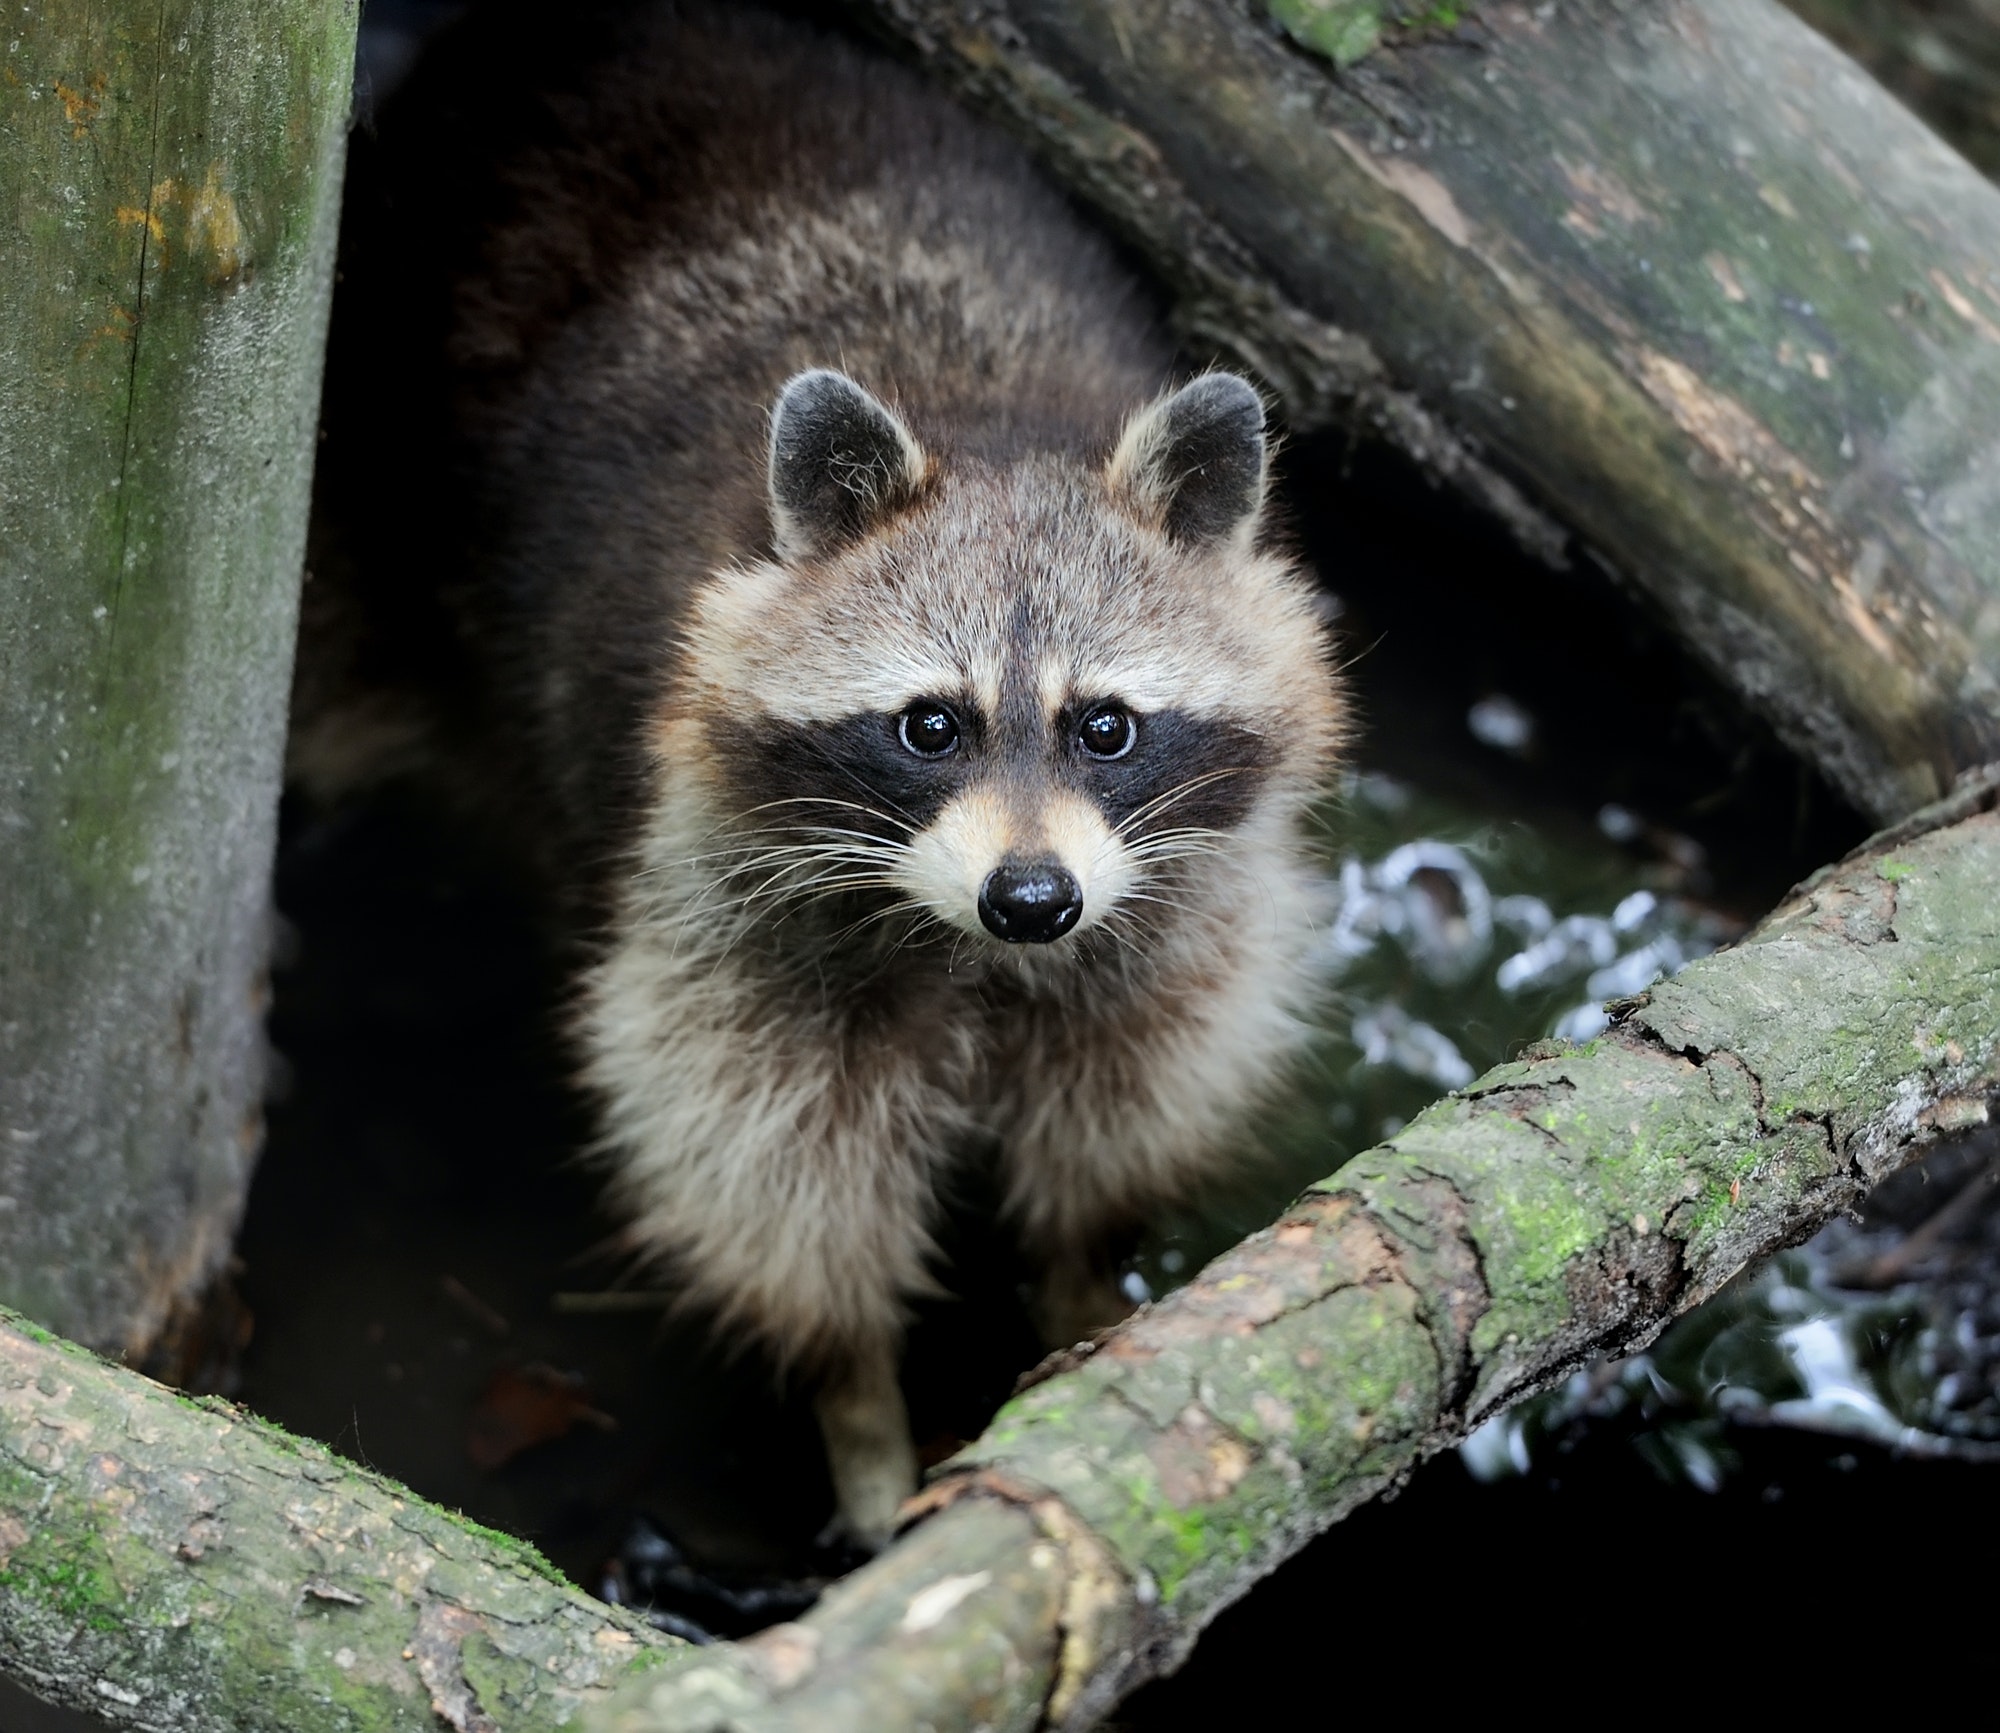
169	185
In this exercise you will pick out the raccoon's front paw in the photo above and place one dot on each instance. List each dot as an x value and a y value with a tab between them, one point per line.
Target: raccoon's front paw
868	1492
869	1455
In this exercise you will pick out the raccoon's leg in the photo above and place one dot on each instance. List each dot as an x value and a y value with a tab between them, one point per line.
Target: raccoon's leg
787	1180
868	1448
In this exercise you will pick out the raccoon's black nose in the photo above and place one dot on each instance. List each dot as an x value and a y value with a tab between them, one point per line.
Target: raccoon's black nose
1030	905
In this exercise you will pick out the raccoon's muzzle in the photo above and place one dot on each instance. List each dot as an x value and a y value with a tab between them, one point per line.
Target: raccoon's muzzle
1030	904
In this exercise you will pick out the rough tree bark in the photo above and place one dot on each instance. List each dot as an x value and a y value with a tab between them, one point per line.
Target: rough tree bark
169	185
178	1566
175	1565
1676	276
1559	1208
1942	57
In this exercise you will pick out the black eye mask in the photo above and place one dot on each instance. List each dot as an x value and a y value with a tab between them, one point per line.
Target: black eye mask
1176	770
854	774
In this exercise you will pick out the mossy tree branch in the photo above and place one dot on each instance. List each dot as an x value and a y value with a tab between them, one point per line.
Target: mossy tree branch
180	1566
1677	277
1562	1207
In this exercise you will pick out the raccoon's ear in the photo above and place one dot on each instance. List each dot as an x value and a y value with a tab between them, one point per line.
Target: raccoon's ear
841	459
1194	461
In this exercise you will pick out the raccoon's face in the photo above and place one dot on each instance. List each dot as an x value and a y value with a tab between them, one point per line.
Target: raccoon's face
1030	701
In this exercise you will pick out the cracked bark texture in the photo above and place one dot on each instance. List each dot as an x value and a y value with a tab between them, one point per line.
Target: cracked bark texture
180	1566
1677	277
1562	1207
169	189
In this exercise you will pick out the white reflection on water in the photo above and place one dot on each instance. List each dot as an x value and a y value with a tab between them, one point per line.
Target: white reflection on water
1575	942
1389	1035
1425	894
1499	722
1429	898
1838	1397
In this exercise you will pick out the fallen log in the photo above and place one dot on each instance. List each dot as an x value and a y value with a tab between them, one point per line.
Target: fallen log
1560	1208
182	1567
1677	277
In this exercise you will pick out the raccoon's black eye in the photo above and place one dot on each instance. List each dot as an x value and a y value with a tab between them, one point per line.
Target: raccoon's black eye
928	729
1108	731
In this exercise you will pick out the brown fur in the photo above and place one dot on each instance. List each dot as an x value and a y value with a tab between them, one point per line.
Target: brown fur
689	633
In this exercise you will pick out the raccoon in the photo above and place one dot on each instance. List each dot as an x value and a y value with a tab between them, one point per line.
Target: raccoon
901	686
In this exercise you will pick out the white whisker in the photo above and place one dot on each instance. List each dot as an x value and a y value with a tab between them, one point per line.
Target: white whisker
1180	791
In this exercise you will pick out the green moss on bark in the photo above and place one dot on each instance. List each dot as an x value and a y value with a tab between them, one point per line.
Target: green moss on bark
1346	31
181	1565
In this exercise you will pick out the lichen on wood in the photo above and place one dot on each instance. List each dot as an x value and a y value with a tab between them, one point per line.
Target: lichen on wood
1562	1207
179	1565
170	175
